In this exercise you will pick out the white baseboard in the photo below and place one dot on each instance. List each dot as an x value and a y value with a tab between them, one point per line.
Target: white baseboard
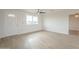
20	33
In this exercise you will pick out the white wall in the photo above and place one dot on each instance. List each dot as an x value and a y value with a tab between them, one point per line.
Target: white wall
73	23
52	21
56	22
16	25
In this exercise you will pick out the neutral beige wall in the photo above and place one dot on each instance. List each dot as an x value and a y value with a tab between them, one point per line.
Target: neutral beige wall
16	25
56	22
73	23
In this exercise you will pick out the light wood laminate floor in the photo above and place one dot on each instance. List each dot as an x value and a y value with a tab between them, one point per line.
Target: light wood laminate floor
40	40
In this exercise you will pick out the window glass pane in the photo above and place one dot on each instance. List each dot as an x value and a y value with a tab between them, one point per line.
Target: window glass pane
29	19
35	20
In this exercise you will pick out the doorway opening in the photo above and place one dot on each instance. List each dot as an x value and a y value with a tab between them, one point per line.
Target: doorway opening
74	24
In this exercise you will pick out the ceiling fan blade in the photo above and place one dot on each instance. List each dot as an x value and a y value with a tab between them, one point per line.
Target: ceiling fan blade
42	12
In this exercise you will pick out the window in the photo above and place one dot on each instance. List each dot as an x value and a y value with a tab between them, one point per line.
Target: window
35	20
31	20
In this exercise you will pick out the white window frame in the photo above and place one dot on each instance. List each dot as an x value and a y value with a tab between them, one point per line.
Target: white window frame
32	21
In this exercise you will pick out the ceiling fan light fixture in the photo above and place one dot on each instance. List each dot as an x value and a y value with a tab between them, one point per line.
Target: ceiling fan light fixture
76	15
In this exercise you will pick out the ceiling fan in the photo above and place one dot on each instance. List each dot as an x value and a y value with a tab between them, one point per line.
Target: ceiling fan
40	11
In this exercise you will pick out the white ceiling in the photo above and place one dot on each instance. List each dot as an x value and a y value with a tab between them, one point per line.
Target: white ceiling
69	11
49	11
